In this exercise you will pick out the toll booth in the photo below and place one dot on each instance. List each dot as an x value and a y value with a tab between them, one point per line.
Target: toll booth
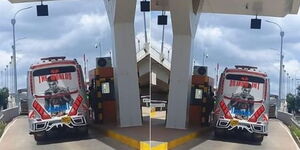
201	102
102	93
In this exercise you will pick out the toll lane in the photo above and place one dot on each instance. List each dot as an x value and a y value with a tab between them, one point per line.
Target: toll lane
16	137
279	138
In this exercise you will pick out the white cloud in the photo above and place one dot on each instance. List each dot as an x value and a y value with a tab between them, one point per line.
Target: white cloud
89	24
93	22
5	59
67	31
210	33
293	67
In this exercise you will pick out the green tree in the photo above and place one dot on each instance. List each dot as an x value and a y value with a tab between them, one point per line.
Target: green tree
293	101
297	100
4	94
290	99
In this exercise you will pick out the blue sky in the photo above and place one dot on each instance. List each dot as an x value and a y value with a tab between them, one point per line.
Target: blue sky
72	31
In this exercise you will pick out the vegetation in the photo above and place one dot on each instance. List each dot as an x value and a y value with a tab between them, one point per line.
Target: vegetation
295	131
4	94
290	99
293	101
2	126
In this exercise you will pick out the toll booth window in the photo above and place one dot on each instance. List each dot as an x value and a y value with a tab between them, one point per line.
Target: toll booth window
105	88
198	93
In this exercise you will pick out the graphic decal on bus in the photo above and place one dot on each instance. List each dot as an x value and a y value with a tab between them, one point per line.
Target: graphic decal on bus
243	94
55	88
57	99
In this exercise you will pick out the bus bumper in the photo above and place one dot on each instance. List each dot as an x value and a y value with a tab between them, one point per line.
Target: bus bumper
259	128
38	125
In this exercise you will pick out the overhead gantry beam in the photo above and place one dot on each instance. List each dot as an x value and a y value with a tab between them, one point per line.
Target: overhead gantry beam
25	1
275	8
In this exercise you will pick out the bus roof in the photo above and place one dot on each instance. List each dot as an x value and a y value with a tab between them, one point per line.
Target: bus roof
245	71
52	62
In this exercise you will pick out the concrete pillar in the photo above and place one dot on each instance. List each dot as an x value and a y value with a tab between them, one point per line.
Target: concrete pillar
121	15
185	17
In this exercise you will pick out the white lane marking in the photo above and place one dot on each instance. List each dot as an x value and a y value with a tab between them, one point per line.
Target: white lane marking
6	129
288	131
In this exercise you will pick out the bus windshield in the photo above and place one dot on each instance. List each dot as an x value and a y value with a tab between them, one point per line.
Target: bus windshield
244	92
55	88
55	80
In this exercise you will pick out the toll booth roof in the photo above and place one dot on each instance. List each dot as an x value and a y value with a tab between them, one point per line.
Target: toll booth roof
276	8
24	1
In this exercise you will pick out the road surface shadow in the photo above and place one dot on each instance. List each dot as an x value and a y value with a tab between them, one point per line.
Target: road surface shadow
209	136
199	140
62	137
236	138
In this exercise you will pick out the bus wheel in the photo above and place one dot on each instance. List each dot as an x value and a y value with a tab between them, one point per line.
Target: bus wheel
39	136
83	130
219	132
258	138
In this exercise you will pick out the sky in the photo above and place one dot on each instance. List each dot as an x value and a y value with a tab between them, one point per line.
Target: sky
73	31
69	30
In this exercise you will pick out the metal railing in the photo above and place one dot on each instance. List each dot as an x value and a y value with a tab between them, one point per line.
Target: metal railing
161	58
143	52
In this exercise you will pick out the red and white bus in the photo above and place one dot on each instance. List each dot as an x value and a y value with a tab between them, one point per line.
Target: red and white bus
57	97
242	103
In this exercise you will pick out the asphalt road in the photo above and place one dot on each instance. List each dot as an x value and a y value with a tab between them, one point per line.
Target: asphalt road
279	138
17	138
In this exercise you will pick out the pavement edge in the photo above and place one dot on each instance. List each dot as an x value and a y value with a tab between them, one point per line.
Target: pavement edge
142	145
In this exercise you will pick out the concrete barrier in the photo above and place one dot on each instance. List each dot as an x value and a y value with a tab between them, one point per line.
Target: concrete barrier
289	119
295	122
9	114
285	117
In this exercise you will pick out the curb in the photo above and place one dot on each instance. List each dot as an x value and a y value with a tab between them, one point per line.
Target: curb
142	145
297	140
124	139
162	146
184	139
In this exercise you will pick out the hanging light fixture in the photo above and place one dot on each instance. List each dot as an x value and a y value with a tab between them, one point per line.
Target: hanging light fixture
145	6
42	10
255	23
162	19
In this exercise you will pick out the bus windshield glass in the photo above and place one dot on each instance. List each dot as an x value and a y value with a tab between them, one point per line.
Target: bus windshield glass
55	80
244	92
55	88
